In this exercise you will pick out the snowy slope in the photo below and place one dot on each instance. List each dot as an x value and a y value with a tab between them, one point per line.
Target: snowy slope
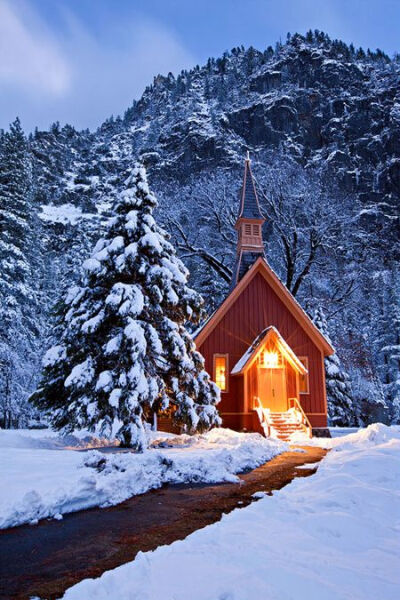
312	101
312	111
47	477
333	536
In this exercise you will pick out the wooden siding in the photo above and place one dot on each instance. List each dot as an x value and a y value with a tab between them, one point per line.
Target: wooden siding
252	387
290	381
256	308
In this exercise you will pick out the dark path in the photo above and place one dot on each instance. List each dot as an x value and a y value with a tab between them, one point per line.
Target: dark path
44	560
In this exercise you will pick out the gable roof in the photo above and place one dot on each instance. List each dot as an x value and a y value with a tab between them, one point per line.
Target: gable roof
249	207
261	266
251	354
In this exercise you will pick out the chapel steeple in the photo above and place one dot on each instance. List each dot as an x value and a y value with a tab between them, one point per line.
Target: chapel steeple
248	225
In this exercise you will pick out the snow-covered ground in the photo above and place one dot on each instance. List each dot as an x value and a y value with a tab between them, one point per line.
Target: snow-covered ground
340	431
65	213
332	536
45	475
69	214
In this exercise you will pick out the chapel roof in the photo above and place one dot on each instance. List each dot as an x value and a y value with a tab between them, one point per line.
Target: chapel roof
249	207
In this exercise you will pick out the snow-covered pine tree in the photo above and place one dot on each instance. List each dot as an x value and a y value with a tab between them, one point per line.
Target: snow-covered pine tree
389	340
338	385
123	351
18	326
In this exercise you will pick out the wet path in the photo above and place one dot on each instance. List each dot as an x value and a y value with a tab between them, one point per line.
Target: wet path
45	559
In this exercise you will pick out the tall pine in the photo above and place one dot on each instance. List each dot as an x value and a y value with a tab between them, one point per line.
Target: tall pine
338	385
123	351
389	340
18	326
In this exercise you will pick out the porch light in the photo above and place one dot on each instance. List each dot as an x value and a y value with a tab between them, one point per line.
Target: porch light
271	360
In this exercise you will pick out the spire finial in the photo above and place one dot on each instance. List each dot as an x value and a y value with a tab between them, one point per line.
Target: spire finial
248	156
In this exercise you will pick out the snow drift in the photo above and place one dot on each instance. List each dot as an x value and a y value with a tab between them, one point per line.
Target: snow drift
45	482
333	536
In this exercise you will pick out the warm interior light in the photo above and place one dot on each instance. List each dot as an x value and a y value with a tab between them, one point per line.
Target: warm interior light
221	380
220	372
271	360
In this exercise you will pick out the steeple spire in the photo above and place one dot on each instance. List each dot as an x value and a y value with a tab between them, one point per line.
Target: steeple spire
249	207
249	224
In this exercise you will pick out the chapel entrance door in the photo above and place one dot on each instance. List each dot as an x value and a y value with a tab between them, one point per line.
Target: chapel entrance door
272	388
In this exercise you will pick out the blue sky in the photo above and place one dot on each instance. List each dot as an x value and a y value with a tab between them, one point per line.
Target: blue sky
79	61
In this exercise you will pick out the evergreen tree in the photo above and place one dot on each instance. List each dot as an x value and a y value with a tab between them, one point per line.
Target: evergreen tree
123	351
389	340
338	386
309	36
18	327
360	54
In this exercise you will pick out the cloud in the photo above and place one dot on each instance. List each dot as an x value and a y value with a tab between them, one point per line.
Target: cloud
112	70
105	69
29	57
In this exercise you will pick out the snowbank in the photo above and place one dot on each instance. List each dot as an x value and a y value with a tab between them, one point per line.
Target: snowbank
44	480
374	434
334	536
48	439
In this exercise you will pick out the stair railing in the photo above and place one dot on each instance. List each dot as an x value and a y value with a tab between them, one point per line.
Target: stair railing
263	415
294	403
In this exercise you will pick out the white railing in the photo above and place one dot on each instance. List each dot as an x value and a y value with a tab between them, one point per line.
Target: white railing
298	414
263	415
296	406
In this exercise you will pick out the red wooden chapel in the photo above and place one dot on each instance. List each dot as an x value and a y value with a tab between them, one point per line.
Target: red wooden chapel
260	347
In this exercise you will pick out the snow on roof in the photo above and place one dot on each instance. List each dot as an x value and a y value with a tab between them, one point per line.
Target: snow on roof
246	356
256	344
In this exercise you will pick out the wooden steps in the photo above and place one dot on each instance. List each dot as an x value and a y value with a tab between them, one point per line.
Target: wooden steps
283	426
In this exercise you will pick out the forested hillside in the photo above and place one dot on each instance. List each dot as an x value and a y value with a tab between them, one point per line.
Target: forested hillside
322	123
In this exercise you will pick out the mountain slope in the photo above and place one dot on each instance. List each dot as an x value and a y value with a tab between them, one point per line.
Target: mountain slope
322	123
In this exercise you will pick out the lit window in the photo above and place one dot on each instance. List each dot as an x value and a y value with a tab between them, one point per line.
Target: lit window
247	229
221	371
256	230
270	359
304	379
